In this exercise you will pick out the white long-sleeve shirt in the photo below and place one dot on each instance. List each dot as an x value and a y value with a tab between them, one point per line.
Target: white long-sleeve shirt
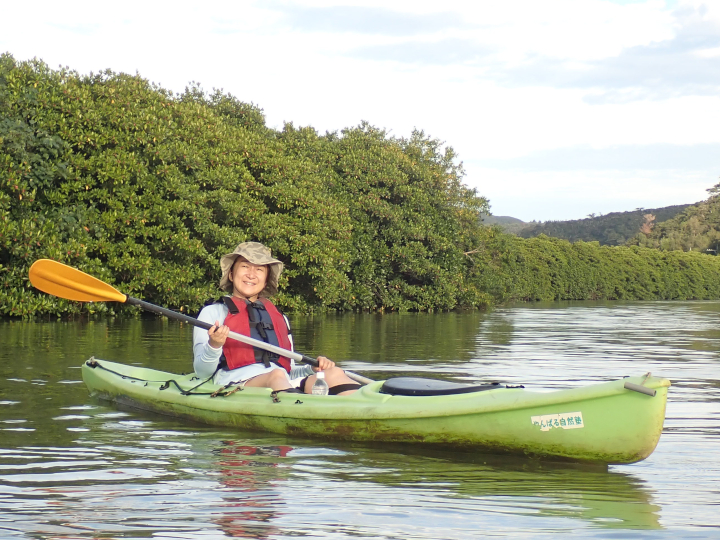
206	357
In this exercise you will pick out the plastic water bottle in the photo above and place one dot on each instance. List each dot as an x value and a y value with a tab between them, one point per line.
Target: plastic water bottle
320	388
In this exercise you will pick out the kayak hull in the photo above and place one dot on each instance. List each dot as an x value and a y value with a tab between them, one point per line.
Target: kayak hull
601	423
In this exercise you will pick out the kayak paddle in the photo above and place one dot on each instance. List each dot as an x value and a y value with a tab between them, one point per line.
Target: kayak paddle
70	283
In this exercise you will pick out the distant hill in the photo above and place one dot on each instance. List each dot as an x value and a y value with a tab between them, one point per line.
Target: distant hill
696	228
508	224
613	229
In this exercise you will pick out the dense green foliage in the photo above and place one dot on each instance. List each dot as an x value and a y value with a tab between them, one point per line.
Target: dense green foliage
141	188
546	268
613	229
696	228
146	190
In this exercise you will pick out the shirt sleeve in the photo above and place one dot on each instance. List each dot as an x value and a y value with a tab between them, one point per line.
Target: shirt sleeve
205	357
305	370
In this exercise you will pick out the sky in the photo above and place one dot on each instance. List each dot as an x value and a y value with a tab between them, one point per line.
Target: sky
558	109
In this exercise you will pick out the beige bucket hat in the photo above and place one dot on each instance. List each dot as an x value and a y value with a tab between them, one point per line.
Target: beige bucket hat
256	253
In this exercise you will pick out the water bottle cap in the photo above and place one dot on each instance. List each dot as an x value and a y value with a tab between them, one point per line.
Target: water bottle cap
320	375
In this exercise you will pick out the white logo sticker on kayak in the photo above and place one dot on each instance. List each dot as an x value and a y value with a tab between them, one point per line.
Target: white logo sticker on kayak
570	420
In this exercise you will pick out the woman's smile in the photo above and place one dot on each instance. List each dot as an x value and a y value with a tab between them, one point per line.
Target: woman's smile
248	279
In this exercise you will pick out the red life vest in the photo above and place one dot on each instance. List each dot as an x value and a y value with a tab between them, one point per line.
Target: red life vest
238	354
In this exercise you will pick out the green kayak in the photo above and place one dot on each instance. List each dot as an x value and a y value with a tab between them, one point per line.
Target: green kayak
613	422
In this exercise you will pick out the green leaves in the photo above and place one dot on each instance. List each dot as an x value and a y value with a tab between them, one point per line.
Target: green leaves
147	190
410	215
545	268
696	228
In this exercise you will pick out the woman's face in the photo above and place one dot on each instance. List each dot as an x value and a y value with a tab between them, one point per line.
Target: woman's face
248	279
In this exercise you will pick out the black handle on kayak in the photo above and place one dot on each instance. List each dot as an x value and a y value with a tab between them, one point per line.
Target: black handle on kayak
639	388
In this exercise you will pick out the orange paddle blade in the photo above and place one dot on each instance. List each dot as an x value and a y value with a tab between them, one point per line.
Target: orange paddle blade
67	282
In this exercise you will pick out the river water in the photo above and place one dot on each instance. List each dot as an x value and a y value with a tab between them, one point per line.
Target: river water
73	467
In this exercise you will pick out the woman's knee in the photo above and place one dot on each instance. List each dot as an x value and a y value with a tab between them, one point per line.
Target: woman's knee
336	375
277	375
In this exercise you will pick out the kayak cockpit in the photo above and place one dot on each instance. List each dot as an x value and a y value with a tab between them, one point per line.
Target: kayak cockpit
416	386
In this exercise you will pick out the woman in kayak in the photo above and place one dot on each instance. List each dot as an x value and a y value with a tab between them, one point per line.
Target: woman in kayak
250	274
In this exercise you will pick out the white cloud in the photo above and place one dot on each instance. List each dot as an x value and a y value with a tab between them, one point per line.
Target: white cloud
518	79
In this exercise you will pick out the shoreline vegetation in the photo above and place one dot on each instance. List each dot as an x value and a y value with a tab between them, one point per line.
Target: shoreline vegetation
146	189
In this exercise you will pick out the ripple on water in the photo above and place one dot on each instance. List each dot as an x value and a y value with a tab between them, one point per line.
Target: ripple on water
89	470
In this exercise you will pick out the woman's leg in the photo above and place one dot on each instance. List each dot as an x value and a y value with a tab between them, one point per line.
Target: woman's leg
276	379
334	377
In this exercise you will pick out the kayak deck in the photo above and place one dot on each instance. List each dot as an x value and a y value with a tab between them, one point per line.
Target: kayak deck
602	423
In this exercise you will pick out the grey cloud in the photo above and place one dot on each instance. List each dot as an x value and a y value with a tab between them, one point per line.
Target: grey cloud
699	157
657	71
374	21
666	69
661	70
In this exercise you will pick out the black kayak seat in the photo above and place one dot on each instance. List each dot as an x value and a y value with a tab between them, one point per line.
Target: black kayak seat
416	386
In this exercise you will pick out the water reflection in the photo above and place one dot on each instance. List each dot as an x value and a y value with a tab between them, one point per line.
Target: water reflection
390	338
248	472
495	329
513	486
251	487
74	467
